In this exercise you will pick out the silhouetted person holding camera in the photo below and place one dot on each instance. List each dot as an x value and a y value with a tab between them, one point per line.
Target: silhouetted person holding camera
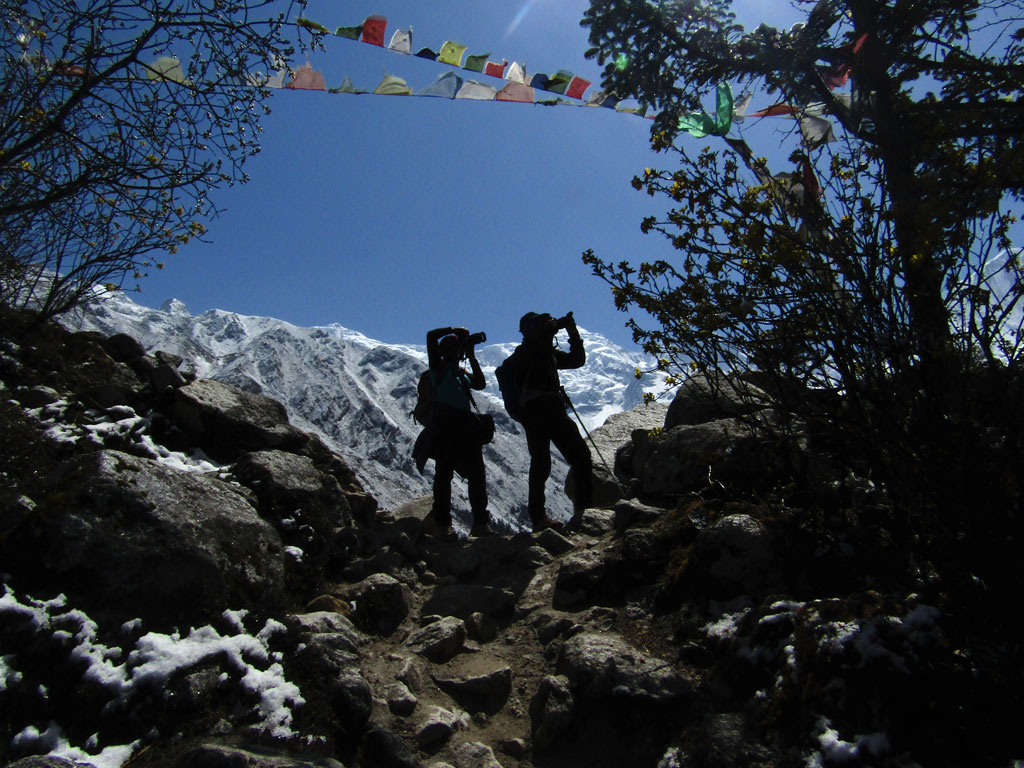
454	429
543	410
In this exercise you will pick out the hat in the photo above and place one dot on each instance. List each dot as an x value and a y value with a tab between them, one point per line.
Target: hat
526	321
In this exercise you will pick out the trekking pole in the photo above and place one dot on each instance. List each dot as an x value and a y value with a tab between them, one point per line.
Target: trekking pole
611	472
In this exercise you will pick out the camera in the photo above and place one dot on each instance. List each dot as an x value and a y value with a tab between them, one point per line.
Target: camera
476	338
564	322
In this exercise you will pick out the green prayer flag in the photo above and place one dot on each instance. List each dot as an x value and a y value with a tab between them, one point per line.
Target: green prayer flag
476	63
312	26
559	81
352	33
701	124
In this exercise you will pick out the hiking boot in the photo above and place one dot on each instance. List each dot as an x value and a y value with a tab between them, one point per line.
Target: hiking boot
547	522
480	529
447	533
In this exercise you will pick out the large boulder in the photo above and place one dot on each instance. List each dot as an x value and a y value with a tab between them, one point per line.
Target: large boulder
701	399
603	665
226	421
607	444
145	540
734	556
729	453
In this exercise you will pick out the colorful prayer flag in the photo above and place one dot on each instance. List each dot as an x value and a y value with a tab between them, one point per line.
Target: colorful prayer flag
312	26
476	62
451	53
479	91
739	110
427	53
166	68
700	124
559	81
496	70
445	87
603	99
345	87
517	73
352	33
305	78
577	88
393	86
540	82
776	110
816	131
401	41
516	92
373	30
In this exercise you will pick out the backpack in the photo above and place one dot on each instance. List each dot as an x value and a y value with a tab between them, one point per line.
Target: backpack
424	399
506	376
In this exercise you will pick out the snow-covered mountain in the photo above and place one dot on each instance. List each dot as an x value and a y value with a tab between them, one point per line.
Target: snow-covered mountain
358	394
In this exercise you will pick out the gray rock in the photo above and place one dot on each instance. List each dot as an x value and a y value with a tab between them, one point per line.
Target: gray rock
411	674
600	666
553	541
400	699
607	441
725	743
473	754
481	627
381	603
171	545
438	725
551	710
123	347
630	512
579	574
735	556
597	522
37	397
533	557
701	399
463	600
486	692
349	694
46	761
440	641
227	422
229	756
384	749
328	623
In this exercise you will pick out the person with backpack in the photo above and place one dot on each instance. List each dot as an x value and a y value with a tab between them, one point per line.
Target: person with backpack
541	408
453	430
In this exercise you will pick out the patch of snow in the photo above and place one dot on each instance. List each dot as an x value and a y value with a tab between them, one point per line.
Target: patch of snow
836	751
148	666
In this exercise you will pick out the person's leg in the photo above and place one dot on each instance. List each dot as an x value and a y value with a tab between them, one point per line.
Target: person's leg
476	480
538	441
441	510
570	443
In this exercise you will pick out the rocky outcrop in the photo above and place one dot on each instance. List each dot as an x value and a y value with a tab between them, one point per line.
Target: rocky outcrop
177	599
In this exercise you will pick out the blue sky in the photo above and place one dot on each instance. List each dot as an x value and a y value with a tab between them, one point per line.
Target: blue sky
393	215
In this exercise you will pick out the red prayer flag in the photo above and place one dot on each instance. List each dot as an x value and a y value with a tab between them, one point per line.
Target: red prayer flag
577	88
495	70
775	111
373	30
